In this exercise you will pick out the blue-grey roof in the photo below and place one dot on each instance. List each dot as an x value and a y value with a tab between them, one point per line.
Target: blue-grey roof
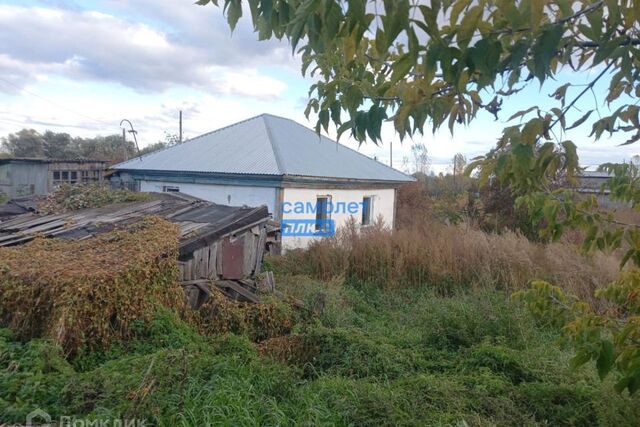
266	145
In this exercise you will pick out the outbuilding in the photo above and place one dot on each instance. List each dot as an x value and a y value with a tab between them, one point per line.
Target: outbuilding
309	183
26	177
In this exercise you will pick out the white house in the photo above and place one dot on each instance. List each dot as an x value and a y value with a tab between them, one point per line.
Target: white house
309	182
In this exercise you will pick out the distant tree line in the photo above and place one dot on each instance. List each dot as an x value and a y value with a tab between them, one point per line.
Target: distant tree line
53	145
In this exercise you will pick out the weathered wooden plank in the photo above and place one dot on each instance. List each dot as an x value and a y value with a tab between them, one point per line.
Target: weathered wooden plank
204	262
249	260
260	249
239	289
213	271
188	270
219	259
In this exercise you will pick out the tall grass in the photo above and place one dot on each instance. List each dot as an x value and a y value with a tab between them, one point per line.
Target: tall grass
448	257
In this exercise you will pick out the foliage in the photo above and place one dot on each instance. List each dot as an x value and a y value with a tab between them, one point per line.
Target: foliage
443	62
378	366
3	198
88	293
71	197
220	315
53	145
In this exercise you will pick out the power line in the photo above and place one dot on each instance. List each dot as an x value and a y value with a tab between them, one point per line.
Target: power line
7	82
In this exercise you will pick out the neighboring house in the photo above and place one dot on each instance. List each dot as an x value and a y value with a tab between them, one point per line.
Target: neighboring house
23	177
299	175
592	182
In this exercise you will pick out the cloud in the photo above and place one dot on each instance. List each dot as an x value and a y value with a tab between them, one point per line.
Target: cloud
173	44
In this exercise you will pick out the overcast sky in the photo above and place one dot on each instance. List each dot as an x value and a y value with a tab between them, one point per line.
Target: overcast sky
82	66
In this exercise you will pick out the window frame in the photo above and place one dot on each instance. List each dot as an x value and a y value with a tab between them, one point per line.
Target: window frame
366	218
320	215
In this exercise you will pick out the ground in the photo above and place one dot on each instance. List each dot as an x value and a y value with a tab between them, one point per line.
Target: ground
366	357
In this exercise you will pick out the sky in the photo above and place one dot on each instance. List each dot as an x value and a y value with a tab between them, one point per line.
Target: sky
82	66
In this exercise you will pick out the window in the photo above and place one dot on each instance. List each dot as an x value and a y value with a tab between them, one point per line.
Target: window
90	176
322	212
63	177
367	209
170	189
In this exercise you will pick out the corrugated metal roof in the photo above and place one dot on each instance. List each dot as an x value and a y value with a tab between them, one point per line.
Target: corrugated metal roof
266	145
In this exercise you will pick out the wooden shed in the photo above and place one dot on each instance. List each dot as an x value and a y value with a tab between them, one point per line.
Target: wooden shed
220	245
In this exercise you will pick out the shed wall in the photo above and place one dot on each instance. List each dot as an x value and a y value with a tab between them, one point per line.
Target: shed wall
18	179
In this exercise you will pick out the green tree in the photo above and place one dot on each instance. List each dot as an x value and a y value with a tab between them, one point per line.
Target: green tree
53	145
421	65
25	143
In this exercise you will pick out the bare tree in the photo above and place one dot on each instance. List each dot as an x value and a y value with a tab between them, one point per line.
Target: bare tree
421	161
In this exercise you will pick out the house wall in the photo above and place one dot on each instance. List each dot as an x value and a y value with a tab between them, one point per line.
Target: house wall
383	206
22	179
231	195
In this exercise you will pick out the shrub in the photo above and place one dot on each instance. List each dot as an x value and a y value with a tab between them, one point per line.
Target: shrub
71	197
220	315
348	353
469	320
499	360
32	375
87	293
562	405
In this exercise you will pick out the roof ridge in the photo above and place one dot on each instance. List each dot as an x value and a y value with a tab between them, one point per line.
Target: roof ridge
338	143
274	145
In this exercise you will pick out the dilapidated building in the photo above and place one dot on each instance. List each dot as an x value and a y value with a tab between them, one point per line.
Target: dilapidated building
221	246
25	177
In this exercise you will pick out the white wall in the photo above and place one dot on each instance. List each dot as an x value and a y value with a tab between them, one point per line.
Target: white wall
232	195
383	205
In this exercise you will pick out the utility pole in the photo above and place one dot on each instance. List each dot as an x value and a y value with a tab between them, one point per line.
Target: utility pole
124	144
180	127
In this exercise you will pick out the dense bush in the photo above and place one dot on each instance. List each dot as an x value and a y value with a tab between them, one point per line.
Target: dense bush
88	293
71	197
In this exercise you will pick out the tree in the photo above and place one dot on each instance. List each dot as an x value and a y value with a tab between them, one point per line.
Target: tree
53	145
419	65
421	161
25	143
169	141
458	165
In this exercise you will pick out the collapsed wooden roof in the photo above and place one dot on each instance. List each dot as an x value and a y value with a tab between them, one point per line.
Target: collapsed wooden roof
200	222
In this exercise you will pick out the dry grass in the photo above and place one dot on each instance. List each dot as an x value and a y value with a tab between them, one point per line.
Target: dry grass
450	257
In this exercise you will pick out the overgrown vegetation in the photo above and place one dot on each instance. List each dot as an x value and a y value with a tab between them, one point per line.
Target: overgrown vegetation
369	358
86	294
435	343
71	197
449	258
